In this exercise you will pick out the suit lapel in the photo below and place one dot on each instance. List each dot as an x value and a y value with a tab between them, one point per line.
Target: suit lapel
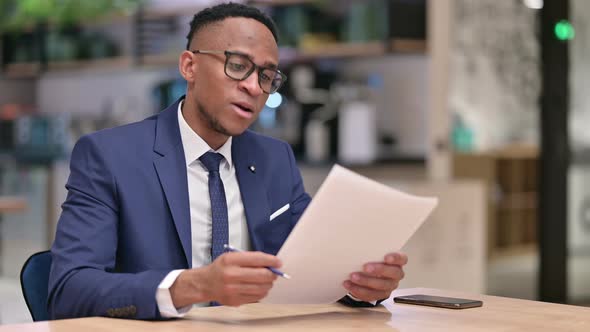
253	192
170	166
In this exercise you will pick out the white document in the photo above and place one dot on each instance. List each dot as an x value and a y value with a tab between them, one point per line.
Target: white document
352	220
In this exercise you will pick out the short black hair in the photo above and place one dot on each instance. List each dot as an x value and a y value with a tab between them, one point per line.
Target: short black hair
226	10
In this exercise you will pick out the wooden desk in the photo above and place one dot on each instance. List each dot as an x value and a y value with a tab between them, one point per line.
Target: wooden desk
497	314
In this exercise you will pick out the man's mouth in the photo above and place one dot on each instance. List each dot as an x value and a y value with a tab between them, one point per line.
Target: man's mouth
244	110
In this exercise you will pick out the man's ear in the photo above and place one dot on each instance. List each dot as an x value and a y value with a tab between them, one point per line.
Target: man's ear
187	66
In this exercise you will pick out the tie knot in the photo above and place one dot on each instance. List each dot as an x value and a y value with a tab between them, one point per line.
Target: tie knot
211	160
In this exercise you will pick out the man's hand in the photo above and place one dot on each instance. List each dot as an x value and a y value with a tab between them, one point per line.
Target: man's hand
377	280
234	278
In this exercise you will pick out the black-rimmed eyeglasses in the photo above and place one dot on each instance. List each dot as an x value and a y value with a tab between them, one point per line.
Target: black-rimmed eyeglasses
239	67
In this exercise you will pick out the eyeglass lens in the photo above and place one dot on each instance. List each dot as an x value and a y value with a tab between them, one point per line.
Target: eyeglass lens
239	67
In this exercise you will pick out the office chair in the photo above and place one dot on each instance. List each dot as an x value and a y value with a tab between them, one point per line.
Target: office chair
34	277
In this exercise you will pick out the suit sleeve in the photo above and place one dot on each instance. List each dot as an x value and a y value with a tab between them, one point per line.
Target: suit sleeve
299	197
83	281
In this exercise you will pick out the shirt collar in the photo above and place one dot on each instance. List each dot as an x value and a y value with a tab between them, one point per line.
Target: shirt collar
194	146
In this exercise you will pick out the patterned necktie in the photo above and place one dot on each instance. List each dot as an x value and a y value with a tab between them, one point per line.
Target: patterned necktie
219	233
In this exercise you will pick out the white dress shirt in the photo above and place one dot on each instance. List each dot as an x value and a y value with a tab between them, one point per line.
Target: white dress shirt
200	210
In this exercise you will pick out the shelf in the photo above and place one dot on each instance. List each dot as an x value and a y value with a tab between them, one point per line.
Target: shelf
12	204
500	253
511	175
81	65
154	60
338	50
325	51
34	69
108	19
22	70
518	201
510	151
408	46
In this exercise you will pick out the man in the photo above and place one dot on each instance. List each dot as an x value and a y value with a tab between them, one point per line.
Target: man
151	204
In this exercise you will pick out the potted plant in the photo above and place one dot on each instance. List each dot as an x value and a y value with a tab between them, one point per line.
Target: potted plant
33	30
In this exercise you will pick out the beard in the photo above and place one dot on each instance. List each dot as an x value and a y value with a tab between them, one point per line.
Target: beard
212	121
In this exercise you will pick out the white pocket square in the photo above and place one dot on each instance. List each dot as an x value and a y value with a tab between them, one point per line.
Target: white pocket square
279	212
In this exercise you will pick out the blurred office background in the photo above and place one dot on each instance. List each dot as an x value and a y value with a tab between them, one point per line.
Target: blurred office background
479	102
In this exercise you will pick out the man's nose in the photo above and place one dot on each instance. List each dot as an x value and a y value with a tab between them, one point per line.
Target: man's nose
251	85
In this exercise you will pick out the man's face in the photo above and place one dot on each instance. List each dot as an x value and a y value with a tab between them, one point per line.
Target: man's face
225	106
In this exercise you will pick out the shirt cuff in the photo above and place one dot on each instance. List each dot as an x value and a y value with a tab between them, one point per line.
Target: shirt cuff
358	300
164	299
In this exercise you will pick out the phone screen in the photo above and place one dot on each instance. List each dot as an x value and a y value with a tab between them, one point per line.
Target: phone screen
438	301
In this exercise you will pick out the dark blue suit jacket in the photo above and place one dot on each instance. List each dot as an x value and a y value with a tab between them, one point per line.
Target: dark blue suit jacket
126	223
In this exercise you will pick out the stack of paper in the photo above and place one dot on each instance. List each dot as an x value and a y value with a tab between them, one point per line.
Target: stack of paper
352	220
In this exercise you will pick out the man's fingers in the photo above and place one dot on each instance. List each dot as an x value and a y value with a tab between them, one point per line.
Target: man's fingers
379	284
257	275
396	258
248	289
384	271
254	290
250	259
365	294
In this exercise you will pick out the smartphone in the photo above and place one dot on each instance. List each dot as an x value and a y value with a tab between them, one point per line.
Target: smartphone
438	301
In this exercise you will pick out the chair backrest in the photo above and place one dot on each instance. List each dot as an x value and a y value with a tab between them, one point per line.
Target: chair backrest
34	277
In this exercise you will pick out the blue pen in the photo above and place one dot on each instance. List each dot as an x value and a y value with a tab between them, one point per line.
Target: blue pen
227	247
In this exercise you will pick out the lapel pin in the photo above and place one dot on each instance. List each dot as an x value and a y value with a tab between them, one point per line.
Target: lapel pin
252	168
